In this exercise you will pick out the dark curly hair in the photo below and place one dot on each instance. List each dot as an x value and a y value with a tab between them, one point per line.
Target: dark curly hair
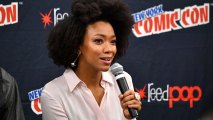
66	37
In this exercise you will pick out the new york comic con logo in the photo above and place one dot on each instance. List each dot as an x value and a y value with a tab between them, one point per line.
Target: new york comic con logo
9	14
172	94
155	21
34	97
47	20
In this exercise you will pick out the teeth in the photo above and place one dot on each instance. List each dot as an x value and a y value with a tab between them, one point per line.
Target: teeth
107	59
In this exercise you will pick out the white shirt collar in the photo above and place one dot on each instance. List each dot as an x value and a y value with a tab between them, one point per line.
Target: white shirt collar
73	80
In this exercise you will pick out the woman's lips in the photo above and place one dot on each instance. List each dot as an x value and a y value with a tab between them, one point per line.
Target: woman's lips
106	60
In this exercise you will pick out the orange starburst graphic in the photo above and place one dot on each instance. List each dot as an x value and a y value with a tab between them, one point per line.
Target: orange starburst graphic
46	19
142	92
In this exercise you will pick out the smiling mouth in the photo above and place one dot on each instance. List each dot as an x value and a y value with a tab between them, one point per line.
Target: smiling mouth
106	59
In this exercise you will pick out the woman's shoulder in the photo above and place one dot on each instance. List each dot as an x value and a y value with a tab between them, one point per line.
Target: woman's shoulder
54	85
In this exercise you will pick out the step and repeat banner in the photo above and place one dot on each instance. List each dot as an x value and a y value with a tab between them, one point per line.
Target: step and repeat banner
170	54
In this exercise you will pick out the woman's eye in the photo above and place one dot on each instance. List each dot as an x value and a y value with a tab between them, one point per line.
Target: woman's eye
98	41
114	42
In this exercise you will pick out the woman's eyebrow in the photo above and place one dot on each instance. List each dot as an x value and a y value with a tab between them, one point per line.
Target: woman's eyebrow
102	35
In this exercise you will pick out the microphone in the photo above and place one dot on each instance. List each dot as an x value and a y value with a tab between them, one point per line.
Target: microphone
117	71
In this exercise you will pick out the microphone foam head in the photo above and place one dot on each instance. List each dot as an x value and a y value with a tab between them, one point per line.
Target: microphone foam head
116	69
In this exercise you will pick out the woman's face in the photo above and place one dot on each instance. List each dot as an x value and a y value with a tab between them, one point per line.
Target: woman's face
99	46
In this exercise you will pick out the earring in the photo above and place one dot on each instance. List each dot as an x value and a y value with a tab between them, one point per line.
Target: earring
73	64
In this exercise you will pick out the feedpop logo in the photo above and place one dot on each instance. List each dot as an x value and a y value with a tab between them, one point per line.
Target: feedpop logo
47	20
171	94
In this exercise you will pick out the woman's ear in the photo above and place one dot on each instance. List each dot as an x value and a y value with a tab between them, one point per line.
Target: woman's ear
79	52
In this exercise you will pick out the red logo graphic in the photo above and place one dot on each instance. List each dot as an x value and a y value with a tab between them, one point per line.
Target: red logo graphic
190	94
46	19
8	14
34	97
36	106
171	94
142	92
150	22
58	16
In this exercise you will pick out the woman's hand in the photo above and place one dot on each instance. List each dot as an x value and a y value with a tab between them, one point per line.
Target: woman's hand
130	100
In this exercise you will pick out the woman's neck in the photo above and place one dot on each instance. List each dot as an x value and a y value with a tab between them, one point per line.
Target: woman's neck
89	76
92	78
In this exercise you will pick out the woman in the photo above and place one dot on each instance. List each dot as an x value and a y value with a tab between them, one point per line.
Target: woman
86	44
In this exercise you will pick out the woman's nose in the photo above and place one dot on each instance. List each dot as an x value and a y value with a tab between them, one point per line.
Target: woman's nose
108	48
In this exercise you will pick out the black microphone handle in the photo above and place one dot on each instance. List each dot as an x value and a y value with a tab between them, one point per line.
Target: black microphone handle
122	84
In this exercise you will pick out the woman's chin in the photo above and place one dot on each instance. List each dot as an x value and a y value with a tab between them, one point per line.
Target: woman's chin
104	69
